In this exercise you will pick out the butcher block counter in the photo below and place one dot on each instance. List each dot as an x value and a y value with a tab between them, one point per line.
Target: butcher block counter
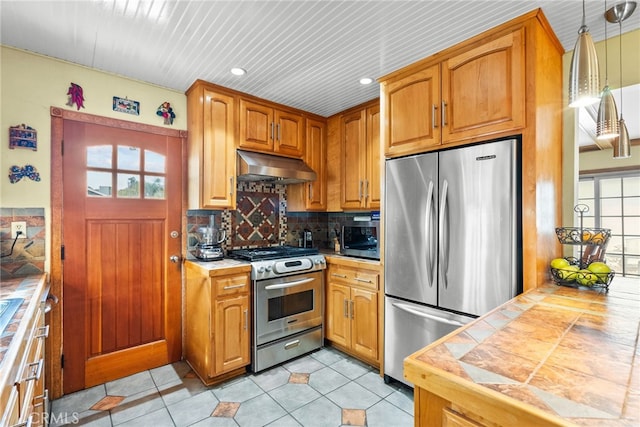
553	356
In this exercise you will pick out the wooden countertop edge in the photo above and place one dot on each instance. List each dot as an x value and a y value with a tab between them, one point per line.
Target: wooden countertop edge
351	261
504	410
212	269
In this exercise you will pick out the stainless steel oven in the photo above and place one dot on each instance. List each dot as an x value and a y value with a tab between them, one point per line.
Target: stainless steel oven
288	304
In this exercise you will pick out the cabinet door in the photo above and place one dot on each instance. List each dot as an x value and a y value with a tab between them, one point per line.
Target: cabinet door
338	322
413	104
231	334
219	153
353	133
364	322
372	189
256	126
483	89
316	157
289	134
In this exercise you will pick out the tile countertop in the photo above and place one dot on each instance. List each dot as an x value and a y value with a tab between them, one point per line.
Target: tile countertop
22	287
568	356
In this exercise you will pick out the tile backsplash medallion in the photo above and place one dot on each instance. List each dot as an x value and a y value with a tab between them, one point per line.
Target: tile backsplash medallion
22	257
261	219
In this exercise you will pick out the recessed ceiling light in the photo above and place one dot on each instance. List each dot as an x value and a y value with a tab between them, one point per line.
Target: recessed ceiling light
238	71
366	80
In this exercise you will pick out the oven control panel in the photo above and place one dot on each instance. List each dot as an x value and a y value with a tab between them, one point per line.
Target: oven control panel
268	269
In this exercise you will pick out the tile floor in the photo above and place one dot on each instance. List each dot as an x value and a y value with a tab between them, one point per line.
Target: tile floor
324	388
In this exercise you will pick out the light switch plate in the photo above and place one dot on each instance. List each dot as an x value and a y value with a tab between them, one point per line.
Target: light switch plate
19	226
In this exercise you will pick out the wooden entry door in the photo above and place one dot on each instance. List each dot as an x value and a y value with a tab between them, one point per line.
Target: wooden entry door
121	228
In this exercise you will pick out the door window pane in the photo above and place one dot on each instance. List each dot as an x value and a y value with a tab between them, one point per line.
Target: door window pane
631	185
128	158
585	189
100	156
154	187
610	187
154	162
631	205
128	185
609	207
98	184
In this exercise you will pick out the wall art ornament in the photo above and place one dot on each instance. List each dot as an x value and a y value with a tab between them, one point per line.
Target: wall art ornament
125	105
165	110
16	173
23	136
76	96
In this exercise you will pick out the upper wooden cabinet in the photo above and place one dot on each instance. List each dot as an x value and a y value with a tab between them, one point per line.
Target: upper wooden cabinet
211	146
268	129
360	157
474	92
312	196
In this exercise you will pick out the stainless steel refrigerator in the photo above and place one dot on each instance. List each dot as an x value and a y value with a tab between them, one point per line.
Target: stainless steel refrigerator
452	242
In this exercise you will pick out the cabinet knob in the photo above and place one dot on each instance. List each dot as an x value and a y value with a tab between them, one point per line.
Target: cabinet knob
174	259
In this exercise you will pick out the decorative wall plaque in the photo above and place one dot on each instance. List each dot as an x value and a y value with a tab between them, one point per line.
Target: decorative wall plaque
23	136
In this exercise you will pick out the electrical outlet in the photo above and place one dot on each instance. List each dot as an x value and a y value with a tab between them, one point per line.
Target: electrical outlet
19	226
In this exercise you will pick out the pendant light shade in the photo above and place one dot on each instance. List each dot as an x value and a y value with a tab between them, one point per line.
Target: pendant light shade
622	145
584	81
607	125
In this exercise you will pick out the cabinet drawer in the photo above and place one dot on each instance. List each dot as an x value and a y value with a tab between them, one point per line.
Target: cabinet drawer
353	277
230	285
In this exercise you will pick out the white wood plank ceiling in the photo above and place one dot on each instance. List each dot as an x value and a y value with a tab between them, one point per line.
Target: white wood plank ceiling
306	54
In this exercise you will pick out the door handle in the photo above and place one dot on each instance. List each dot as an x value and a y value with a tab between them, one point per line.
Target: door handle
174	259
288	284
444	114
246	319
231	186
418	313
444	246
346	308
434	110
352	309
429	238
272	130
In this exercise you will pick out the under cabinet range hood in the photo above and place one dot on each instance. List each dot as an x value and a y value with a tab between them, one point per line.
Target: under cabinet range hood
266	167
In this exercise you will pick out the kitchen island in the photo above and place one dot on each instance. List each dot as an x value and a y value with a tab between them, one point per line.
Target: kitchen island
553	356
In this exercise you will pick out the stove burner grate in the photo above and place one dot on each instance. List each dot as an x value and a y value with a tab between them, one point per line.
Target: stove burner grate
271	252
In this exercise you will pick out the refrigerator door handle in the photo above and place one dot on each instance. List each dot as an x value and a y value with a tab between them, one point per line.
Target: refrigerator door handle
418	313
428	236
442	239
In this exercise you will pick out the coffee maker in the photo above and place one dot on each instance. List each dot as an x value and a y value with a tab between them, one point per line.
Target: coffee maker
209	239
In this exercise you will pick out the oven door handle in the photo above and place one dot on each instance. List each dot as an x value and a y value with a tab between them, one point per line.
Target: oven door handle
289	284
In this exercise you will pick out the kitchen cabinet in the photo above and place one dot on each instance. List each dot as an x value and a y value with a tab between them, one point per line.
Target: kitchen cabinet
473	92
360	157
312	196
504	82
23	397
217	321
352	321
272	130
211	140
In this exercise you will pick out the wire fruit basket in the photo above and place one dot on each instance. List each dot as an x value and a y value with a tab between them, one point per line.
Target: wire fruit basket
592	247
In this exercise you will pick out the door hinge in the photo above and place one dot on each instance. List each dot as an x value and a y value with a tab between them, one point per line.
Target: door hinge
62	252
62	361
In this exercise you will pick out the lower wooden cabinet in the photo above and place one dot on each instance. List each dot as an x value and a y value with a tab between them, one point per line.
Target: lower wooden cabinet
353	309
217	322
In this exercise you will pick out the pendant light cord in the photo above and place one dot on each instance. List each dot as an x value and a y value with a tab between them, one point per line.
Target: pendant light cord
606	51
620	23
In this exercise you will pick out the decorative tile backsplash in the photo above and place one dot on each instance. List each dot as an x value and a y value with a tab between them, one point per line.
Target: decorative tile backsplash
261	219
22	257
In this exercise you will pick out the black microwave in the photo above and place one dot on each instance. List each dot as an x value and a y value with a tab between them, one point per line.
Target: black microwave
361	239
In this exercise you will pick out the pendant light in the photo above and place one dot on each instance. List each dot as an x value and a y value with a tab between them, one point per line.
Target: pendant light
584	82
617	14
607	124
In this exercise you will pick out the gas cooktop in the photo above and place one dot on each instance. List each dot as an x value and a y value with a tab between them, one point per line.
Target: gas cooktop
271	252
